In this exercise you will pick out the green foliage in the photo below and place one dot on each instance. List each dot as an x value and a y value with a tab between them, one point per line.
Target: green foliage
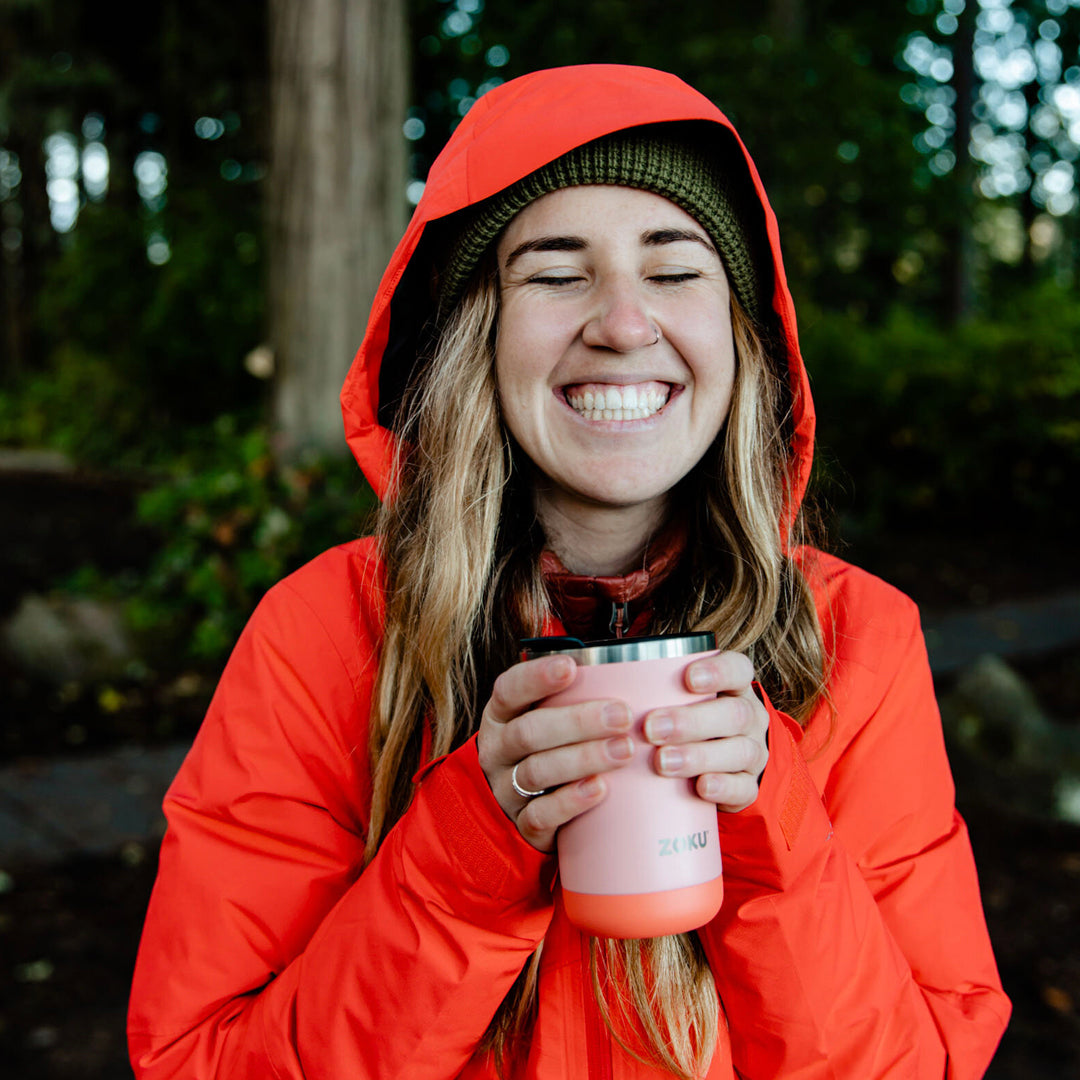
974	423
137	352
134	324
232	525
817	102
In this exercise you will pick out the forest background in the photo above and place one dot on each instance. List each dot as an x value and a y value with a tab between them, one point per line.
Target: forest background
169	369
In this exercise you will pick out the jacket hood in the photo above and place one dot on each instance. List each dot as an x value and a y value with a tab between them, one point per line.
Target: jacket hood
510	132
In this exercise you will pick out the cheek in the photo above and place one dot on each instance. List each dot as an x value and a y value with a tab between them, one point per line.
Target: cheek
518	393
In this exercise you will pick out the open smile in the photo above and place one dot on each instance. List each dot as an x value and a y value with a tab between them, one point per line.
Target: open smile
607	401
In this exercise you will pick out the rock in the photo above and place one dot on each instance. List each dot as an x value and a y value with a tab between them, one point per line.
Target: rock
62	639
16	460
1004	749
1000	711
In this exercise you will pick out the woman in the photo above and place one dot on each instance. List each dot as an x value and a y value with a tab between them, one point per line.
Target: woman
581	397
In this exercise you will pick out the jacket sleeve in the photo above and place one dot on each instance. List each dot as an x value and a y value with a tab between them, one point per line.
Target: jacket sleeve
851	942
266	951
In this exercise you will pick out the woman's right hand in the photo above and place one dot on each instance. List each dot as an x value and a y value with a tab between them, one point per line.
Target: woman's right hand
561	750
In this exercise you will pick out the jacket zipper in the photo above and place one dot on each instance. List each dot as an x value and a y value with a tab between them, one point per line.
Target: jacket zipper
620	618
597	1039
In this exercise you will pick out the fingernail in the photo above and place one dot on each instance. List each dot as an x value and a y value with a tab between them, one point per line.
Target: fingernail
659	726
559	669
699	679
620	749
711	788
591	787
671	759
616	715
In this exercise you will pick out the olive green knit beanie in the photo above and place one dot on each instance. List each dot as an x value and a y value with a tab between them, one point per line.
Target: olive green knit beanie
639	158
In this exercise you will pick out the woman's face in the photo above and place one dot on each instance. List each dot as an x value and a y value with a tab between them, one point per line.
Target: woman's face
616	294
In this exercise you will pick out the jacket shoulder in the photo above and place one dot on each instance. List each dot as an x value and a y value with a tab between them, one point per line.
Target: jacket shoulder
295	694
875	652
860	614
338	577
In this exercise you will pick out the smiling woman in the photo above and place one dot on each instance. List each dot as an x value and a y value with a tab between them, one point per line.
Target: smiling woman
581	399
628	300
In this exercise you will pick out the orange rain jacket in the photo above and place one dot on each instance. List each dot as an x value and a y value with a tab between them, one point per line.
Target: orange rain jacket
851	942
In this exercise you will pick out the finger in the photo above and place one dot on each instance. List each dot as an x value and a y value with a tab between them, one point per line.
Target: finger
736	754
526	683
727	672
541	817
731	792
729	714
567	764
550	726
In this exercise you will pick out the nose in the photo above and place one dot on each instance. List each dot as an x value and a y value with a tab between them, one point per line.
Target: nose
620	321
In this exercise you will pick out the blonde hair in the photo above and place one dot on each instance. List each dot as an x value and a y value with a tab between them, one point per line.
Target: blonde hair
461	545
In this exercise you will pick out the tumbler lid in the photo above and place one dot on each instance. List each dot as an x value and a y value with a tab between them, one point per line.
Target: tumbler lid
619	650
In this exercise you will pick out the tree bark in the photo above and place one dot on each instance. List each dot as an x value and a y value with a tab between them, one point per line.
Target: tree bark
336	200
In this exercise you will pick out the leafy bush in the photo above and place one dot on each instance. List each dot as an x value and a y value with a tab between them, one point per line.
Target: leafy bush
976	423
136	354
232	526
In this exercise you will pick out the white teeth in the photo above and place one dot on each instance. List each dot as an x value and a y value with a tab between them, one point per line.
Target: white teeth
619	403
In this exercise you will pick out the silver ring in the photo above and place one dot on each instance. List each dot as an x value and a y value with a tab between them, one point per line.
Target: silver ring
523	792
656	330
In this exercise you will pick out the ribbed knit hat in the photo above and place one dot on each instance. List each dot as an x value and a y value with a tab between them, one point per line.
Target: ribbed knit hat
645	158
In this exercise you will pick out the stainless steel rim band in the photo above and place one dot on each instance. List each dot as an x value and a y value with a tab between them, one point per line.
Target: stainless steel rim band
657	648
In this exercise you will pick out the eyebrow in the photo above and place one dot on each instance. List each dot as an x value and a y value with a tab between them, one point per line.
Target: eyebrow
547	243
649	238
656	237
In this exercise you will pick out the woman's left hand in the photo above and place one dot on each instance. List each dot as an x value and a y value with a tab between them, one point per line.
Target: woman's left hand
719	743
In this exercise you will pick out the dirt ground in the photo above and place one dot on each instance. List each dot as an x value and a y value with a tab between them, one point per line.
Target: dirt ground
68	936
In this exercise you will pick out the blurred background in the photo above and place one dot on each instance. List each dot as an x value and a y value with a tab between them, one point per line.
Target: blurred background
196	201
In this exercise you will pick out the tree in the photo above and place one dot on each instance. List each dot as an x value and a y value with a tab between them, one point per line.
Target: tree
337	196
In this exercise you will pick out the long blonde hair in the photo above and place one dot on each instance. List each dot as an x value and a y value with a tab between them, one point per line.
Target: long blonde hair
461	545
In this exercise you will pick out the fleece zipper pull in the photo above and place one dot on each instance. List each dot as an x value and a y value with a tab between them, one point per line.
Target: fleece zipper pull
620	619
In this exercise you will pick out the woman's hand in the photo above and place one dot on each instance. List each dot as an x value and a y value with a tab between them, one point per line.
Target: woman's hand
561	751
720	743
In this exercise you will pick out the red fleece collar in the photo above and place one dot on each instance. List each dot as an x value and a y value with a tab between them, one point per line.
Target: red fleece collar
585	604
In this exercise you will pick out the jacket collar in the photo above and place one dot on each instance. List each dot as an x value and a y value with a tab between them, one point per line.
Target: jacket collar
592	608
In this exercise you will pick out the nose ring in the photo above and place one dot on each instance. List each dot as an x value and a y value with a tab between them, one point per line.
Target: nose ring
656	331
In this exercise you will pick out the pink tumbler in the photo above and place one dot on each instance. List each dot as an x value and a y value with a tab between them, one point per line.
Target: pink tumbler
646	861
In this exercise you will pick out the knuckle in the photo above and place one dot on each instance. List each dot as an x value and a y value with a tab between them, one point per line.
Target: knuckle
523	732
748	714
748	755
530	822
499	691
527	776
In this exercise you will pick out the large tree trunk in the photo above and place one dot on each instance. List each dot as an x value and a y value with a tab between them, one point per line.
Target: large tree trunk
337	197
